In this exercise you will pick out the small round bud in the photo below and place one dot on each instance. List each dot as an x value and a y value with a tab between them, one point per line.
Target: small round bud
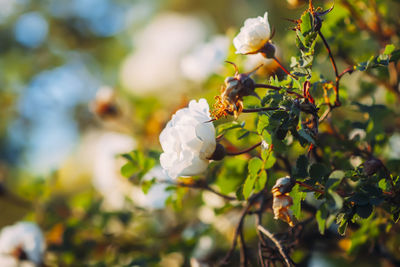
219	152
268	50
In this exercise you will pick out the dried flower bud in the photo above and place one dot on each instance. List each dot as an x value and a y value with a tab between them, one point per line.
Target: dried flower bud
282	201
230	102
104	105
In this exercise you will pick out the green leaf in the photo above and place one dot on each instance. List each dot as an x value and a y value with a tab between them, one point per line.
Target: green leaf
263	122
335	201
255	165
239	193
301	167
297	197
267	137
318	171
248	185
389	49
261	181
270	161
364	211
321	220
306	23
128	169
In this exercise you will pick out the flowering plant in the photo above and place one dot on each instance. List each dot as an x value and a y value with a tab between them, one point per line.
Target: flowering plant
289	118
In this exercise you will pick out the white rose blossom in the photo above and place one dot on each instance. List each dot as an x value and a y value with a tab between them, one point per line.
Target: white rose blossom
23	237
253	35
188	140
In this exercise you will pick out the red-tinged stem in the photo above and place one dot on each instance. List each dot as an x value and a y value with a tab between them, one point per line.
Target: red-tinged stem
228	153
310	187
283	68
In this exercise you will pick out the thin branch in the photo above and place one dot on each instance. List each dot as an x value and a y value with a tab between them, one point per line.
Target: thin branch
309	187
243	214
286	258
243	151
332	59
260	85
243	249
200	184
253	110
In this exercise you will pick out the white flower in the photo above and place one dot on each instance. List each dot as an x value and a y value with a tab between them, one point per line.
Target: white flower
188	140
205	59
25	237
253	35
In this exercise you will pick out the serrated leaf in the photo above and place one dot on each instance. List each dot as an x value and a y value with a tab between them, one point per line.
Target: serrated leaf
248	185
306	23
270	161
260	181
263	122
297	197
255	165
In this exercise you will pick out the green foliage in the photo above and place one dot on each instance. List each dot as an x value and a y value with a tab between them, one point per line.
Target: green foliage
137	166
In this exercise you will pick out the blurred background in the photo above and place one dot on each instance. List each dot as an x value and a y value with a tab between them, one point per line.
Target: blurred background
83	81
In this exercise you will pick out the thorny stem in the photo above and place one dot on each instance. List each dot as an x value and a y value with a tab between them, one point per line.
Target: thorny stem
332	59
337	78
283	68
259	85
286	258
243	151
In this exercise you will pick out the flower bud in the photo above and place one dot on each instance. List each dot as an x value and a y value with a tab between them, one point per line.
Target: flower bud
268	50
219	153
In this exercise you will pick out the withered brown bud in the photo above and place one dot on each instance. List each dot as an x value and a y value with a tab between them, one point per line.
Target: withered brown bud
219	152
371	166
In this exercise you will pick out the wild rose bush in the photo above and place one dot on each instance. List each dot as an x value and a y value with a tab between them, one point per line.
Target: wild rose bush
272	143
296	129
